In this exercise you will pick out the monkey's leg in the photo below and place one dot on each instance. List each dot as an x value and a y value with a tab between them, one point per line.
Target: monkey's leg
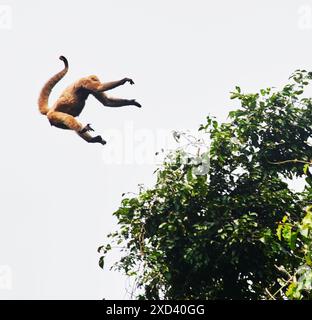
86	128
87	137
114	102
60	118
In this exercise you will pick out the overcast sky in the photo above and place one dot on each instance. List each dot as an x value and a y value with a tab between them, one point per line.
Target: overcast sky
58	193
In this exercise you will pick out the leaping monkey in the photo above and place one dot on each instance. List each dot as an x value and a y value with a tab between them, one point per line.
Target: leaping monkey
72	101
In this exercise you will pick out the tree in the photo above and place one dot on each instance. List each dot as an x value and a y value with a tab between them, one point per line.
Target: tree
212	235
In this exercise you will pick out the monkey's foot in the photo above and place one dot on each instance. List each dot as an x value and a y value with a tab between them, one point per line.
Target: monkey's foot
99	140
86	128
135	103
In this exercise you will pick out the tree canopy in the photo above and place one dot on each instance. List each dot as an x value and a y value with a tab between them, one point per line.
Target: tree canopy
237	230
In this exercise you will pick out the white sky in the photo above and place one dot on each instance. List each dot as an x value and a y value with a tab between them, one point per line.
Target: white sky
58	193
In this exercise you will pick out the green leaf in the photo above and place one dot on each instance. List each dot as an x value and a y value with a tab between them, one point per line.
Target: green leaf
286	233
189	175
292	240
101	262
279	231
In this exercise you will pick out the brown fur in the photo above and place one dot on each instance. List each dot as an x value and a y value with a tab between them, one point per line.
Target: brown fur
72	101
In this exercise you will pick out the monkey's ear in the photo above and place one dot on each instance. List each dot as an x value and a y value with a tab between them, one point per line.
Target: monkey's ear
94	78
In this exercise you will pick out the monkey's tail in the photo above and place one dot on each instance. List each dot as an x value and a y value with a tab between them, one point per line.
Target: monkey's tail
47	88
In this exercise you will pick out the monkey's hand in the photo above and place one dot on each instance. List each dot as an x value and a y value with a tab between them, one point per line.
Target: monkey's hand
86	128
128	80
135	103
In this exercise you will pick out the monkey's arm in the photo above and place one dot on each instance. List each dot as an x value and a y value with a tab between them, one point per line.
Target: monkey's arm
96	86
113	84
114	102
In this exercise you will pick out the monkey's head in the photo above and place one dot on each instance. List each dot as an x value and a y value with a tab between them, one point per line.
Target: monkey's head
94	78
